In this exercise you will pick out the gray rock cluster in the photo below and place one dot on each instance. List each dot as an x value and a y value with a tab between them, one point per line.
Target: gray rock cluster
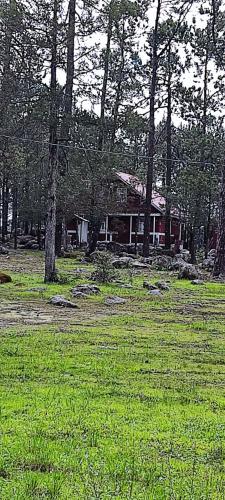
113	300
3	250
61	301
85	290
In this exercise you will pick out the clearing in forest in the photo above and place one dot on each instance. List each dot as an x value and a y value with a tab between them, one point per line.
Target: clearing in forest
122	401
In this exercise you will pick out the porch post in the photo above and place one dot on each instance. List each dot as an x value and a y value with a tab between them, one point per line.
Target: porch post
106	227
130	229
180	232
154	230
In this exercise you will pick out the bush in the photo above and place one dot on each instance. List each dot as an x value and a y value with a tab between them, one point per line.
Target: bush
104	270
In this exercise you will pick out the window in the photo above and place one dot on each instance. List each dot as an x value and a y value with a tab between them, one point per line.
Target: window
103	227
141	226
121	194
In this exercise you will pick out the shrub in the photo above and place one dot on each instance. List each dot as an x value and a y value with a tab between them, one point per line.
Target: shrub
104	270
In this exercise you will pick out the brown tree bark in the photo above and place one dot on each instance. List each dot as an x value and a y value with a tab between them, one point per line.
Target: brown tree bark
219	266
68	106
50	272
119	86
105	82
151	135
15	216
168	154
5	207
198	203
94	217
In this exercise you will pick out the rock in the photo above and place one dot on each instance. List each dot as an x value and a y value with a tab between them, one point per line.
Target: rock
130	255
86	289
122	262
162	262
189	272
30	244
136	264
185	255
79	295
5	278
34	246
22	240
177	263
162	286
3	250
155	292
197	282
149	286
114	300
146	260
59	300
208	264
212	253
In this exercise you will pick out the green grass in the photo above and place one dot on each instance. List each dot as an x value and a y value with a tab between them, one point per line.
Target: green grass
126	404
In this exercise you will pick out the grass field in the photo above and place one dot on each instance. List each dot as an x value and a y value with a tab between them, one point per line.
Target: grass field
124	402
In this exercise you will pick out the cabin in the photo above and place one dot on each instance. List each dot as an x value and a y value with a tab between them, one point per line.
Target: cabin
126	225
125	222
77	231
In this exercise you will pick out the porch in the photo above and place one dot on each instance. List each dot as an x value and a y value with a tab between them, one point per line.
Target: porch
129	228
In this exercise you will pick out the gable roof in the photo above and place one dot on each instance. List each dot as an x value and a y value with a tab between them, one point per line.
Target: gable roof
133	182
158	201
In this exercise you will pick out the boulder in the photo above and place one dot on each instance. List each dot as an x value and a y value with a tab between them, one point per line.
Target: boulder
189	272
162	286
5	278
86	289
162	262
208	263
155	292
149	286
197	282
185	255
79	295
114	300
122	262
146	260
30	244
177	263
59	300
136	264
130	255
22	240
3	250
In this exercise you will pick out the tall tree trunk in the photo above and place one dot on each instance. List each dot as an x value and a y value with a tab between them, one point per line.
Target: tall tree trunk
168	155
151	136
5	207
68	105
50	273
94	218
58	234
68	101
15	216
219	266
198	203
119	86
104	84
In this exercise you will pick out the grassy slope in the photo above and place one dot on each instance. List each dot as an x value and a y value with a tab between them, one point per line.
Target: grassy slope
122	404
